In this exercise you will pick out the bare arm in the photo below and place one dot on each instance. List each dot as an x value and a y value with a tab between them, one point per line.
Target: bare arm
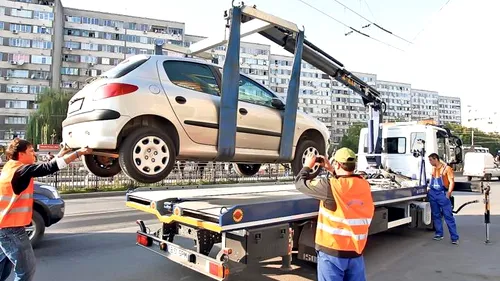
451	179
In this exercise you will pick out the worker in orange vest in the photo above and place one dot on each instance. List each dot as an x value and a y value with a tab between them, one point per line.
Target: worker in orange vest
16	205
345	212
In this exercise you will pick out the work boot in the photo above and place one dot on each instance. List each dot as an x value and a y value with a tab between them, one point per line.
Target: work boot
455	242
438	237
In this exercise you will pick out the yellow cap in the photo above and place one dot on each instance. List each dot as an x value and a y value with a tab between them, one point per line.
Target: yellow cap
345	155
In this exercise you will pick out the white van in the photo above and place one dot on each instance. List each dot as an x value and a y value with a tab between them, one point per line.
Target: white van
480	164
400	141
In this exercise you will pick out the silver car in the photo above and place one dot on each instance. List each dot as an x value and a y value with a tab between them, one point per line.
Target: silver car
154	110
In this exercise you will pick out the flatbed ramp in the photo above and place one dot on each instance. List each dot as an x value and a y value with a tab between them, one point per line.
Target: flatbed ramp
225	209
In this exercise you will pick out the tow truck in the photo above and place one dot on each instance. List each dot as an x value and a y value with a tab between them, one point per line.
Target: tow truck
233	226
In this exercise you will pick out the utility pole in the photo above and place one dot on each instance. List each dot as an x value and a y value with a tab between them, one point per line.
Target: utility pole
472	138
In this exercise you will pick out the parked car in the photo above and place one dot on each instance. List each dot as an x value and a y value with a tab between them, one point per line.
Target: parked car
48	209
154	110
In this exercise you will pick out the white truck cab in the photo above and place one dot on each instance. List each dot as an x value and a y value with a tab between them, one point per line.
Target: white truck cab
400	141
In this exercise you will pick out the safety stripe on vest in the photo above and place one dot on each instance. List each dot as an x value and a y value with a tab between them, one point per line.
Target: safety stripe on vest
341	232
8	198
17	210
351	222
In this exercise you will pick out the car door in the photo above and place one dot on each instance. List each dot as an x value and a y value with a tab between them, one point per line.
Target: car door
194	94
259	123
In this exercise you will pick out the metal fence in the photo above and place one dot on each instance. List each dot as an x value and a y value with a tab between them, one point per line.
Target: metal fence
75	177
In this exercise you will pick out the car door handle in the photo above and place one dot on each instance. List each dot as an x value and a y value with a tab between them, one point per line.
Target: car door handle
181	100
243	111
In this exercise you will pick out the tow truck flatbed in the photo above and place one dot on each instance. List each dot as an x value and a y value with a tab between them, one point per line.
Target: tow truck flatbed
225	209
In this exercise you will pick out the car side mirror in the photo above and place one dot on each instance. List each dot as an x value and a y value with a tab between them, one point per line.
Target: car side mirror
277	103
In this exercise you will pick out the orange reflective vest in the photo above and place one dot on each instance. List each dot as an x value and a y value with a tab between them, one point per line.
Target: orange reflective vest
15	210
343	230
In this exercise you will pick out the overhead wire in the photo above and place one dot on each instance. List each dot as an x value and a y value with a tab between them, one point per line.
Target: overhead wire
425	26
371	22
349	27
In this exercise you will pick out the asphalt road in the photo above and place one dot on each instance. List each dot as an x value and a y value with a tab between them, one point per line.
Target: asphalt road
95	241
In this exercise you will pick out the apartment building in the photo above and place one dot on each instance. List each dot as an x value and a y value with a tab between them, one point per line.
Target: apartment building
26	48
398	98
484	120
424	104
450	110
94	42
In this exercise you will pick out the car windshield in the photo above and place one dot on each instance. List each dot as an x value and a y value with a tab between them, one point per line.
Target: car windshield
125	67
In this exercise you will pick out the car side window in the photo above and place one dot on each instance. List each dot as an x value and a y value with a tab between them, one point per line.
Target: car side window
250	91
193	76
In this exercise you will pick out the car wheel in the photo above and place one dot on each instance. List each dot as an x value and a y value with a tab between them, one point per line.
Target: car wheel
101	166
304	149
147	155
36	229
246	170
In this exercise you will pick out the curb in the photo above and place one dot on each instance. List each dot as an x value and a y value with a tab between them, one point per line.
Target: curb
93	195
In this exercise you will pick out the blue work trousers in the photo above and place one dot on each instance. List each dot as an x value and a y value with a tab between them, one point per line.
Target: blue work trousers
441	207
331	268
16	252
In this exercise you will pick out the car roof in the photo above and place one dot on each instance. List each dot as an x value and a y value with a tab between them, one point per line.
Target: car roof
198	60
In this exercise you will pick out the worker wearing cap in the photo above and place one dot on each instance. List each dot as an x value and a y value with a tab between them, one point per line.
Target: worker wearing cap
345	212
439	193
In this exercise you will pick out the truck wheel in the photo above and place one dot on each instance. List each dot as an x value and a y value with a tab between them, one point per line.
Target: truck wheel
147	155
101	166
246	170
36	229
305	148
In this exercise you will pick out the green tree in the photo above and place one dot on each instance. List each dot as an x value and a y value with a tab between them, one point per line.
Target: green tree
488	140
351	139
46	121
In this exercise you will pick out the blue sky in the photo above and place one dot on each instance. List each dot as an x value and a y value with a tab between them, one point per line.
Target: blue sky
455	53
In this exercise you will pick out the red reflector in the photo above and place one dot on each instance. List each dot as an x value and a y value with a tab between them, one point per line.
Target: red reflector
114	90
218	270
144	240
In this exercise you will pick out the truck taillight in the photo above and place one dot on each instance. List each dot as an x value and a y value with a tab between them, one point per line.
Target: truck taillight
114	90
144	240
218	270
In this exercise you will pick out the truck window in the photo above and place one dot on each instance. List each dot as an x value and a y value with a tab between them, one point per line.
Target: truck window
413	140
395	145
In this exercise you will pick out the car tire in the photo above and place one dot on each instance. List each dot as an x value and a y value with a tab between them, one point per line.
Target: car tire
37	228
151	145
93	164
246	170
305	147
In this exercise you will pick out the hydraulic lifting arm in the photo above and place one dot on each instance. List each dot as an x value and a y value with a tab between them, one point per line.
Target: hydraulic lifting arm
246	20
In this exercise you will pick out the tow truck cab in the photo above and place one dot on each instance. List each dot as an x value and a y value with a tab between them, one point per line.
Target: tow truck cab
400	141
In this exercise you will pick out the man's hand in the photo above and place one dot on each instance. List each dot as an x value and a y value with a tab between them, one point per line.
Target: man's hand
65	150
310	161
448	194
326	164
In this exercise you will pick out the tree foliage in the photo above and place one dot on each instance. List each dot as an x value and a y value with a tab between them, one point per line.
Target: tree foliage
47	119
488	140
351	139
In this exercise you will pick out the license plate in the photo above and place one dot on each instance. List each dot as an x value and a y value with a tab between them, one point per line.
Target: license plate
75	106
178	252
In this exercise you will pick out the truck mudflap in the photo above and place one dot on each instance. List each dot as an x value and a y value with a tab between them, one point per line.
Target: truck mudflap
217	268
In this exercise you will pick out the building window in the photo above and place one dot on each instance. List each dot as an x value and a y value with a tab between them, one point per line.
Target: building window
41	59
43	15
89	46
16	120
19	58
18	42
38	89
8	135
19	89
69	71
42	30
21	13
71	45
105	60
20	104
73	19
40	44
20	28
18	73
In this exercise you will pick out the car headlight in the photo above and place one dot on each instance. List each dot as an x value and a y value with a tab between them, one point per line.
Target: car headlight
52	190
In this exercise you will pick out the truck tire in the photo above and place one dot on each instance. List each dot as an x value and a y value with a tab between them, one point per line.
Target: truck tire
36	230
246	170
147	155
305	147
101	166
